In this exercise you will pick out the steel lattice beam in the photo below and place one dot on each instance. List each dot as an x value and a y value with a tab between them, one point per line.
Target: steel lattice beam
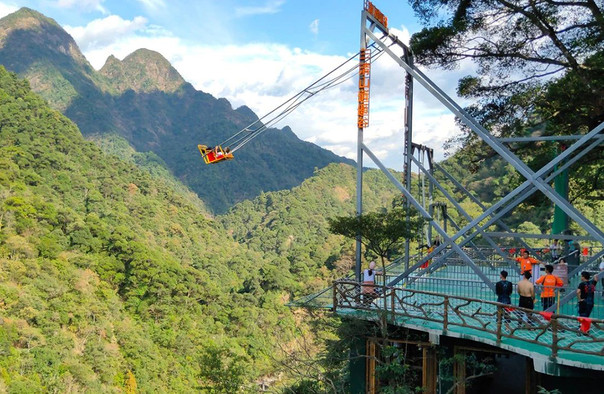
535	180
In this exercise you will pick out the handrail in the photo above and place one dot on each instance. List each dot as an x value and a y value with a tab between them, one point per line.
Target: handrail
556	332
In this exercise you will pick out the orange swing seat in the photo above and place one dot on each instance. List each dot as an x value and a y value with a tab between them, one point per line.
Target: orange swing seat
214	155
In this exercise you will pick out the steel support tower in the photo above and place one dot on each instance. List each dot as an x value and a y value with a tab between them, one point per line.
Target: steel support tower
457	241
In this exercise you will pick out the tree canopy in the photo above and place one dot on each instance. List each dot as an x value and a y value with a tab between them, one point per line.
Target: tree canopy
112	279
532	38
539	71
381	232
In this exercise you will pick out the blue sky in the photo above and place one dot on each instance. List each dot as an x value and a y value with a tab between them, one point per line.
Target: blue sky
260	53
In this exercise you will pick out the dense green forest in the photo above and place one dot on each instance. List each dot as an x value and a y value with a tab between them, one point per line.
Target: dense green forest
110	277
292	226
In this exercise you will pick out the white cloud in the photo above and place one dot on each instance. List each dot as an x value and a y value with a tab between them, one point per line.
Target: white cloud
314	27
153	4
85	5
6	9
103	32
270	7
403	34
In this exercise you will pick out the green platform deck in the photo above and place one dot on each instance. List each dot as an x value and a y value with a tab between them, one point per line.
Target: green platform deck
472	314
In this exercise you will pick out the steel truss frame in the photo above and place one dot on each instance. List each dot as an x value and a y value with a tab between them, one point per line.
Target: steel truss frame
535	180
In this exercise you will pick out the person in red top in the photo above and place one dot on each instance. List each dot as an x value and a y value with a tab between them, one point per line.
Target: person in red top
527	263
549	282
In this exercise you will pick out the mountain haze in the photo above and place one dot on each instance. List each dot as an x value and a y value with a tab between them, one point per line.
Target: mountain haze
145	100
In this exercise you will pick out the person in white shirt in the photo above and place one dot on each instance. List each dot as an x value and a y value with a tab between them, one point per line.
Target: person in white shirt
368	288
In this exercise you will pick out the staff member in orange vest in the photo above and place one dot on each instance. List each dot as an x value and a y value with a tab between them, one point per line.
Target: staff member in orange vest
549	282
527	263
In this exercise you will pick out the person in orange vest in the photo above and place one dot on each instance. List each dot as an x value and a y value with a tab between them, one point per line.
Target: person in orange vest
528	263
430	249
549	282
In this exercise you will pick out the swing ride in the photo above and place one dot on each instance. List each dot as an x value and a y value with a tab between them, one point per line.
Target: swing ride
343	72
215	155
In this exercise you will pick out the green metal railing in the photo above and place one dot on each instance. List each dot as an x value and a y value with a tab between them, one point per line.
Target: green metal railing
555	334
455	278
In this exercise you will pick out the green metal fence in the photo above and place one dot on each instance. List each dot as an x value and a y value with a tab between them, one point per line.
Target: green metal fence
556	335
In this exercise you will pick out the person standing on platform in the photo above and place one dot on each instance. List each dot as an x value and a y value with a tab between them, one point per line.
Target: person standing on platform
526	291
555	250
368	288
572	252
504	289
529	264
429	249
549	282
585	293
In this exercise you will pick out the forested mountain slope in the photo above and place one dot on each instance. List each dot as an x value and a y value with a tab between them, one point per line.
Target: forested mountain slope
145	100
110	278
292	226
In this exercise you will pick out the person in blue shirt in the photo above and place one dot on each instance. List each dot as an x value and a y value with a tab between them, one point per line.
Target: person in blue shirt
585	293
504	289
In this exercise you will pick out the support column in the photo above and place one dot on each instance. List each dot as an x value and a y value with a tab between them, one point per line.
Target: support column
430	153
459	372
362	122
370	368
408	147
357	365
430	370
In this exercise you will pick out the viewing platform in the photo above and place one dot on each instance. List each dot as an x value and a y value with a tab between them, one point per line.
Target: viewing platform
452	302
445	300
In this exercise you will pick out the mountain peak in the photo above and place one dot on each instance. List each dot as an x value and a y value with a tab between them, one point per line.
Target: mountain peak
144	55
26	17
38	48
143	70
27	27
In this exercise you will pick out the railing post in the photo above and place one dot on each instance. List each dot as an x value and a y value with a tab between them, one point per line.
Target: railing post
384	288
392	298
335	299
554	323
499	318
446	315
